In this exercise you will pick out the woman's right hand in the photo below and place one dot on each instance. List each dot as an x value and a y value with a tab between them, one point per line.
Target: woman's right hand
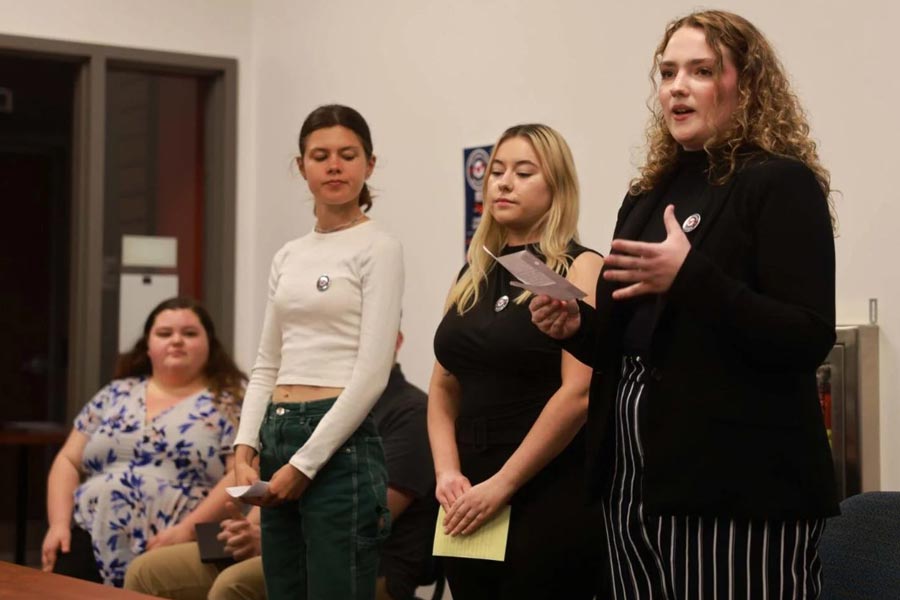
58	538
450	486
559	319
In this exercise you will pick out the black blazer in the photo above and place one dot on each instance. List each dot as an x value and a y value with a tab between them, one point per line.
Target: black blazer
732	424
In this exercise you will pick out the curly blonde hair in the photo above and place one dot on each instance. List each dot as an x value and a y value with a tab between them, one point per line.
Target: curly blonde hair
557	227
768	116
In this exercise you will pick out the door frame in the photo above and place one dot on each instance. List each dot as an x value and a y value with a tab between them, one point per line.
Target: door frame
87	179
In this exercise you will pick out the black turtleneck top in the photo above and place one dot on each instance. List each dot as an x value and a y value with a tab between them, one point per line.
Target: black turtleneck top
685	190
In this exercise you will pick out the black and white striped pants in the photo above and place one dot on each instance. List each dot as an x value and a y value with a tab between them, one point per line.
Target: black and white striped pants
691	557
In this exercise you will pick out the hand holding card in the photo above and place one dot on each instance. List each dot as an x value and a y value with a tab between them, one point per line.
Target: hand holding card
535	276
256	490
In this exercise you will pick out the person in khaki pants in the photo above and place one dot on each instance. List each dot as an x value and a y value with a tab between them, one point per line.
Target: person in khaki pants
176	571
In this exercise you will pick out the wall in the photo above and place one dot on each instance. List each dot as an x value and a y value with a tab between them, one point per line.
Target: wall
432	78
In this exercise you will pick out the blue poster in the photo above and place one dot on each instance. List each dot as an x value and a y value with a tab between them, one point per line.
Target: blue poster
475	167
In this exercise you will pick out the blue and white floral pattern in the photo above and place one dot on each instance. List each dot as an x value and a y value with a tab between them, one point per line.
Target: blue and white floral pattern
144	475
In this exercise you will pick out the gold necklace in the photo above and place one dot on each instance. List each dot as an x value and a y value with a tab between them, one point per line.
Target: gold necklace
351	223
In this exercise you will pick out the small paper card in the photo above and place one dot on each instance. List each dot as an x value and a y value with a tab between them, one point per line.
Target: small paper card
488	542
248	491
537	277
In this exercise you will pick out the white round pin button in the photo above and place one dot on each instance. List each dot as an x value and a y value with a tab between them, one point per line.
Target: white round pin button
691	223
501	303
323	283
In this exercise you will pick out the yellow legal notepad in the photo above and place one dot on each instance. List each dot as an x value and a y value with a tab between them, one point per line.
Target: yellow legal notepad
489	542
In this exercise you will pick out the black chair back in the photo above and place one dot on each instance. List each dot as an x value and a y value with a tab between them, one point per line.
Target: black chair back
860	549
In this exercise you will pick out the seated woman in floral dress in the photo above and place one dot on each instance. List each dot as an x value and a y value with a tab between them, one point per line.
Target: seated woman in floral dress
148	455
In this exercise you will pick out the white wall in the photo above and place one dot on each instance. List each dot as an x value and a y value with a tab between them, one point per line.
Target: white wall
432	78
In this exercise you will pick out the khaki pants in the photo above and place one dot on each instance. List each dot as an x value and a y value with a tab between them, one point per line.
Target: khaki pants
176	572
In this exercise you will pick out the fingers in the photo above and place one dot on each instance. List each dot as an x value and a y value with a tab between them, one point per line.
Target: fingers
466	519
237	526
551	316
476	523
626	275
234	512
625	261
447	497
671	222
538	302
460	521
631	291
630	247
237	541
542	308
48	558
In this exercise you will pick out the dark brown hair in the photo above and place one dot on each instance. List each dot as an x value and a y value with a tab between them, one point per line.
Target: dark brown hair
332	115
226	380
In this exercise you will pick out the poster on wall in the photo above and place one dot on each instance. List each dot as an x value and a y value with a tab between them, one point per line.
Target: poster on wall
475	167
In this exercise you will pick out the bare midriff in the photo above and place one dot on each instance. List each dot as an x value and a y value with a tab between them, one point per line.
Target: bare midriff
304	393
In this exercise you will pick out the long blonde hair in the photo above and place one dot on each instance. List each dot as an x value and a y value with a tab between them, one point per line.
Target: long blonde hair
768	115
558	226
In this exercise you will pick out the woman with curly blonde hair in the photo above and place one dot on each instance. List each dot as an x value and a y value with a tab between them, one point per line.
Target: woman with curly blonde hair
706	439
506	405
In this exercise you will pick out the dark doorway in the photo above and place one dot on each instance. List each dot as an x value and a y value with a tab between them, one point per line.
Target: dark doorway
35	174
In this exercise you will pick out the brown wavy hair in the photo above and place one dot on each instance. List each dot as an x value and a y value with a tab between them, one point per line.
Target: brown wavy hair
226	381
768	117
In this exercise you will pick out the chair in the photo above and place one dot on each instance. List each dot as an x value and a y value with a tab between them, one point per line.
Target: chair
860	549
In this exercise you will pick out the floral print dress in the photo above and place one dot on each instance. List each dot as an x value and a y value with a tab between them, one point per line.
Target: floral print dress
143	476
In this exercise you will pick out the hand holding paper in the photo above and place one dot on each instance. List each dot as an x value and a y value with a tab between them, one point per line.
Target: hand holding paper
488	542
256	490
535	276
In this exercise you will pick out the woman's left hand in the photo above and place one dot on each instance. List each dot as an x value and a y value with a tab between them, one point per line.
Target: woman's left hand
477	505
649	268
176	534
288	483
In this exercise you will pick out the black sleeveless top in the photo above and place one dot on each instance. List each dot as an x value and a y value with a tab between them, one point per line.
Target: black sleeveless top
507	369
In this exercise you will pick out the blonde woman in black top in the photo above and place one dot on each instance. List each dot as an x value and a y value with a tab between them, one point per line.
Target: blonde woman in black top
505	404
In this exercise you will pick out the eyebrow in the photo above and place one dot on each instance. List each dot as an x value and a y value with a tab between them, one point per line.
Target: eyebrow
518	163
692	62
327	149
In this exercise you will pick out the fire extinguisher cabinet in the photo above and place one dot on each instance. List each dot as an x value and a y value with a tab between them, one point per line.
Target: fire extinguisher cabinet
848	393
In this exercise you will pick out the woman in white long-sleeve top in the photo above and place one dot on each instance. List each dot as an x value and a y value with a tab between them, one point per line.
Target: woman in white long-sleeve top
325	355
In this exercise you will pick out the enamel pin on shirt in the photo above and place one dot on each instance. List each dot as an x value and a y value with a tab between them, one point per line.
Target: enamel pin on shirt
691	223
501	303
323	283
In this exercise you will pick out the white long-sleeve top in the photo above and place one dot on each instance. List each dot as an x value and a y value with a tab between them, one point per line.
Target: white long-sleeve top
341	336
